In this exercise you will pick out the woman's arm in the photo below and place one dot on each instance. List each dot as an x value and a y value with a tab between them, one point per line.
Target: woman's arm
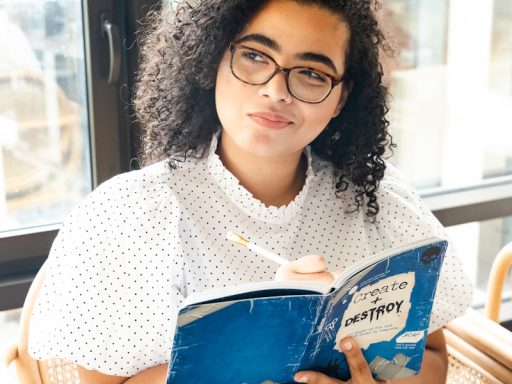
153	375
29	369
94	377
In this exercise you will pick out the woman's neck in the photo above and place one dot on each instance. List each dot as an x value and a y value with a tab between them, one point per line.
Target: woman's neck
273	181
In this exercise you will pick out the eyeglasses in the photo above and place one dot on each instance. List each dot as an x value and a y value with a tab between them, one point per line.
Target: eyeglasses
304	83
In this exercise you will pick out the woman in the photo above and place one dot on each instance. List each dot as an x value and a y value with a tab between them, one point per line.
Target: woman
262	117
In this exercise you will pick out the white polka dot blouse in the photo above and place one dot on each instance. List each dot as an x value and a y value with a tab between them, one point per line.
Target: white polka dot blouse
132	250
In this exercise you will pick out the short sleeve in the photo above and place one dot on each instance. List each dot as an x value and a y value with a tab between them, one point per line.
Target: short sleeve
404	217
112	288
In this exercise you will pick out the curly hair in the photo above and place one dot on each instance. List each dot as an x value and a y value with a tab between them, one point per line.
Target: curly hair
175	103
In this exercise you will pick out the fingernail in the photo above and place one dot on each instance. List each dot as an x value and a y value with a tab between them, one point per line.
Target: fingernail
303	379
347	346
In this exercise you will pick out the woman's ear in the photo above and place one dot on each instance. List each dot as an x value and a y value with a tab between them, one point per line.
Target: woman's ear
346	87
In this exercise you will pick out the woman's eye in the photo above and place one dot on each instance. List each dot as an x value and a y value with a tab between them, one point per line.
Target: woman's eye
313	75
254	56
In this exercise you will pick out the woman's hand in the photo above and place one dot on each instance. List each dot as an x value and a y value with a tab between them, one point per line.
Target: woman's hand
307	268
313	268
359	370
153	375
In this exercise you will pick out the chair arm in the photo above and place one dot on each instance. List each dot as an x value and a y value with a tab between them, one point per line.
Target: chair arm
471	364
483	341
27	367
500	267
8	356
484	334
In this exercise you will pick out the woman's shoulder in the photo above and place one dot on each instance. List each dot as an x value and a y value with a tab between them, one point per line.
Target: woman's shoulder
133	185
395	184
157	179
128	195
401	204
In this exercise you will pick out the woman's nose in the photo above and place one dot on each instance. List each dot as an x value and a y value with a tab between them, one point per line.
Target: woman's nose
276	89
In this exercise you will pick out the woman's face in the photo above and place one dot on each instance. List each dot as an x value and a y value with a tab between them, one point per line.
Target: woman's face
265	120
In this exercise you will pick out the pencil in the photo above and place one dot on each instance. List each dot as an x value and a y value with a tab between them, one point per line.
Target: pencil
256	248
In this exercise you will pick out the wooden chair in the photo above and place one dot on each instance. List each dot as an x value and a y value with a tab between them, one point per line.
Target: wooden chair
479	349
18	367
500	268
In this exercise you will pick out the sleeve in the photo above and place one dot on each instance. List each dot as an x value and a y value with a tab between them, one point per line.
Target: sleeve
112	289
404	217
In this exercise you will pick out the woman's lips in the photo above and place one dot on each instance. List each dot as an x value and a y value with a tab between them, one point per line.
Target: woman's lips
270	120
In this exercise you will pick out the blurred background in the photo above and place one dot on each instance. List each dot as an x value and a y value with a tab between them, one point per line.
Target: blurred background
64	127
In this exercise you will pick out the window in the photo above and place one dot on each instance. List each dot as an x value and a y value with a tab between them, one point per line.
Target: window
45	159
451	116
66	71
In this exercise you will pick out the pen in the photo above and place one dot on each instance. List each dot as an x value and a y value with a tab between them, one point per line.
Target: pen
256	248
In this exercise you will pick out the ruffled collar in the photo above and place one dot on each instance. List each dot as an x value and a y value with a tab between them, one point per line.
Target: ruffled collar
246	201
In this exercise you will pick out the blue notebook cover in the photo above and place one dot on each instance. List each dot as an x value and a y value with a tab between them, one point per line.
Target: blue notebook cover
267	335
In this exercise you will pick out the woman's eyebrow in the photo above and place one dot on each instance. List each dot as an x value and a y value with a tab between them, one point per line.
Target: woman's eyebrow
311	56
272	44
262	39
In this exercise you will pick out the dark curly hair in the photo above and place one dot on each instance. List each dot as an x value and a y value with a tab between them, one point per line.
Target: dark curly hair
175	103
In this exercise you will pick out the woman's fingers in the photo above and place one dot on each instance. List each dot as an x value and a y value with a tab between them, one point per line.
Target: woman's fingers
307	268
308	264
359	370
320	277
312	377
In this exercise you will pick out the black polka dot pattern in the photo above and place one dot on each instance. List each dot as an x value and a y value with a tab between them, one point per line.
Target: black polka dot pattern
130	252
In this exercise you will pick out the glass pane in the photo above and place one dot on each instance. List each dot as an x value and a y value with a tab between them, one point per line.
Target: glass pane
44	145
451	86
478	244
9	325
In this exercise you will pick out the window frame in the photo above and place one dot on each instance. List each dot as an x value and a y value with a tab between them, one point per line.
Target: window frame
489	199
113	136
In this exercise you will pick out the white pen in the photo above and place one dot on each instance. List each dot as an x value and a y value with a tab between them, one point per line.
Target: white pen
256	248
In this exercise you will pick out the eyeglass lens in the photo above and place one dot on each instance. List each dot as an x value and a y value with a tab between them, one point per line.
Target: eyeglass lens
306	84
